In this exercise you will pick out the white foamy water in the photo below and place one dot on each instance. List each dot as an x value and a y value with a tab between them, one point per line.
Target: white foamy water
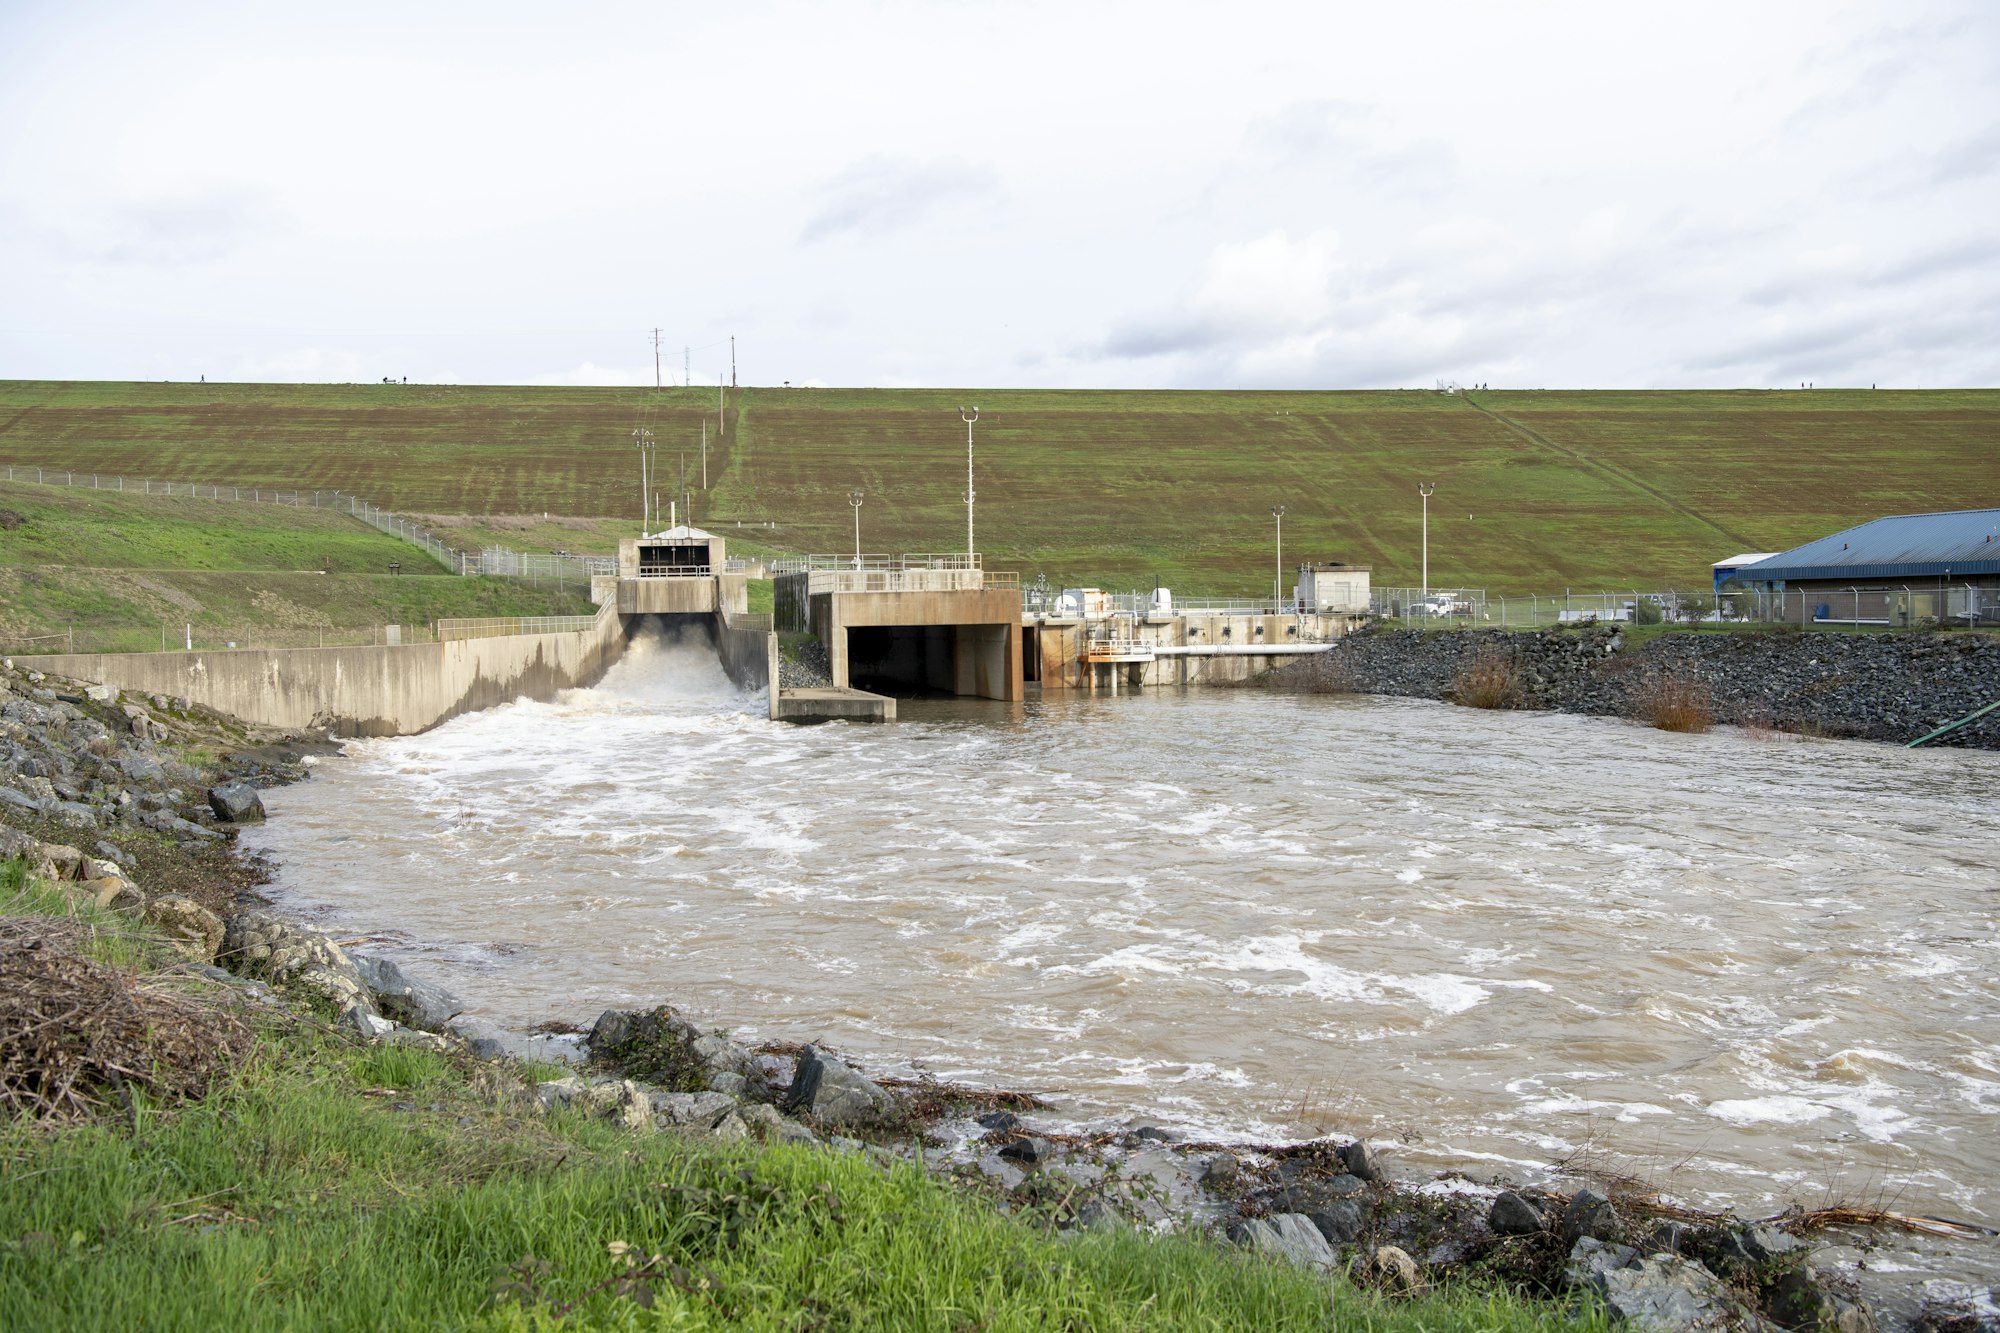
1748	971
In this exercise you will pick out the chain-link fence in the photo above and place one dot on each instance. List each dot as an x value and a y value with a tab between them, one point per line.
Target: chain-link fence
1882	606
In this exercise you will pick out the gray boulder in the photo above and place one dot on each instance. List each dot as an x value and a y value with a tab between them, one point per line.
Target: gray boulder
766	1124
1515	1215
140	767
1030	1151
1661	1294
732	1067
1288	1236
484	1039
1756	1244
1797	1300
370	1027
1589	1213
162	822
662	1048
262	945
689	1108
1340	1222
236	802
1391	1267
418	1004
1360	1161
189	926
21	800
832	1094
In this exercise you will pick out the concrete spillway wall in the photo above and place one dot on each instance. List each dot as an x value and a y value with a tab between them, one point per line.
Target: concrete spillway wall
362	691
748	652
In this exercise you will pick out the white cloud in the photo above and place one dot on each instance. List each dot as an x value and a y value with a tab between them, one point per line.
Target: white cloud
1560	194
592	375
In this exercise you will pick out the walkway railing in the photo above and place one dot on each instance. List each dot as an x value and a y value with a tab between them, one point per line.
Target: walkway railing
869	563
497	627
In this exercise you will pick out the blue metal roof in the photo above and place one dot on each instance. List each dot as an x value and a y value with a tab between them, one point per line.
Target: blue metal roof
1961	541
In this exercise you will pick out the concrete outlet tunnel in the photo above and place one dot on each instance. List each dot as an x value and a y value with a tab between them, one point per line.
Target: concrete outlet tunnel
903	660
680	628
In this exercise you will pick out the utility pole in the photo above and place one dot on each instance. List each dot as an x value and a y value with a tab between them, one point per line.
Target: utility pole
1278	573
1425	489
704	453
719	431
732	360
854	498
687	366
968	419
656	360
642	439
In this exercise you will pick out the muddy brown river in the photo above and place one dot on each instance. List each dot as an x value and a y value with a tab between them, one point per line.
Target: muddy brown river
1744	970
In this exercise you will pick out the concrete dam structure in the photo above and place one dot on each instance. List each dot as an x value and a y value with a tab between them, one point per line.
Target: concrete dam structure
889	625
677	579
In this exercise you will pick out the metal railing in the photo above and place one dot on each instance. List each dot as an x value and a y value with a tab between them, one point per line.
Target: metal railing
868	563
497	561
1111	649
499	627
181	636
653	570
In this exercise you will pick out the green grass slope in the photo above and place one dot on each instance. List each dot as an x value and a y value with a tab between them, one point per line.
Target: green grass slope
1536	491
113	569
108	530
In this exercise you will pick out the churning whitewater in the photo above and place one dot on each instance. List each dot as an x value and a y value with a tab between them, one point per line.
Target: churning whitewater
1746	970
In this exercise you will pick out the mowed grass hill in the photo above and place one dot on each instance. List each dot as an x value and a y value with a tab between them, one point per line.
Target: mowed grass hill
116	572
1535	490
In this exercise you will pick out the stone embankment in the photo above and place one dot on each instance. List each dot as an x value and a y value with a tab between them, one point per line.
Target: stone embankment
1890	687
121	778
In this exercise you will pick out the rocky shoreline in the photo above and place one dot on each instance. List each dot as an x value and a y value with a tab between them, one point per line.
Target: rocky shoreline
132	804
1886	687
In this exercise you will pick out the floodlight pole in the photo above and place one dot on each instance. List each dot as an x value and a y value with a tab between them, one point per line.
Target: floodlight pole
968	416
642	440
854	498
1425	489
1278	570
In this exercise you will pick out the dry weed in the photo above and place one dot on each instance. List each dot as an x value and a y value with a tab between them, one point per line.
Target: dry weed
1489	680
74	1031
1675	702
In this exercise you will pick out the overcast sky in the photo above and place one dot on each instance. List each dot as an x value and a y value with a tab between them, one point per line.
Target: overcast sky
1313	195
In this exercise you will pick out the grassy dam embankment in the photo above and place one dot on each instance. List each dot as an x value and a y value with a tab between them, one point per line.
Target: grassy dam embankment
1537	491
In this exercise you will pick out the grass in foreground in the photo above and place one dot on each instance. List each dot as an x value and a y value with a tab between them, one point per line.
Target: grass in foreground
328	1186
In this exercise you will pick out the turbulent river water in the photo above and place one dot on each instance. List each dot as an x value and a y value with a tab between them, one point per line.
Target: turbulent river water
1744	970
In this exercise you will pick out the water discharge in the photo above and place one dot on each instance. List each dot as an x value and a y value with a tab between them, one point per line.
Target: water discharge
1744	970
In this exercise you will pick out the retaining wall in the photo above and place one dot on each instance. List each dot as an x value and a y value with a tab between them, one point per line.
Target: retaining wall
361	691
746	654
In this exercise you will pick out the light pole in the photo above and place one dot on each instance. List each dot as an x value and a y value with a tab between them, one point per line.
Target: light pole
968	417
642	439
854	498
1278	570
1424	489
